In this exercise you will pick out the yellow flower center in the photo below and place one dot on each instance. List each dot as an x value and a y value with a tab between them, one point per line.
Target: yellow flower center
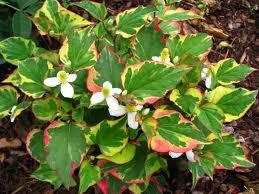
164	55
131	108
62	77
106	91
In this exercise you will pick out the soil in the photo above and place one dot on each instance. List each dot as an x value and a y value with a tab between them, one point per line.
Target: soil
238	20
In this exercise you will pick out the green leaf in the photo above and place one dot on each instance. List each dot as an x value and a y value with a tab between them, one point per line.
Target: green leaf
178	14
228	71
44	173
89	175
198	45
33	71
115	184
168	27
188	101
19	109
151	80
233	101
21	24
134	169
197	172
8	98
131	21
24	49
79	84
148	43
108	68
25	3
174	133
97	10
211	118
35	145
65	145
125	155
78	51
45	109
154	163
57	21
14	78
226	153
112	136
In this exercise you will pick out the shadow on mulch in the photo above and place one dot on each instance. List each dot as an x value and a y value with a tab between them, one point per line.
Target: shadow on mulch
233	17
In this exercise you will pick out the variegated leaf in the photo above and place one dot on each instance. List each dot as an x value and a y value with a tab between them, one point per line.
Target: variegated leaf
198	45
8	98
175	133
150	81
57	21
78	51
131	21
233	101
228	71
112	136
65	145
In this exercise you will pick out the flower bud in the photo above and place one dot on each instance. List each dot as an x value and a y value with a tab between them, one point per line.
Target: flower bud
176	60
145	111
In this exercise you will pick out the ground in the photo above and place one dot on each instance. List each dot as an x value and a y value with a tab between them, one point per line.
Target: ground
236	19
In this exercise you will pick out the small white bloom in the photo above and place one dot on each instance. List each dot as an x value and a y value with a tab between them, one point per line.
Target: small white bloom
163	58
12	112
64	79
106	94
207	76
189	154
131	111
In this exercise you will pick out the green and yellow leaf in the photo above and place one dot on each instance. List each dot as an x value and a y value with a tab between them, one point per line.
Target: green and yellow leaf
57	21
112	136
149	81
233	101
8	98
131	21
78	51
45	109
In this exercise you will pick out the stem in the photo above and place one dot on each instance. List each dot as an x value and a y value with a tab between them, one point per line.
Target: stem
7	4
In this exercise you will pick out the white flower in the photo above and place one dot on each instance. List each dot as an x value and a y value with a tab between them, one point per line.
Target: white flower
12	112
207	76
64	79
106	94
189	154
164	57
131	111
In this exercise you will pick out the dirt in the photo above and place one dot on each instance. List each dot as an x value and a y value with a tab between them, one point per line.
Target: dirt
237	19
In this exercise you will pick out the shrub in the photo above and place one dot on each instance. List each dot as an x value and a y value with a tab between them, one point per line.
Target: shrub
121	95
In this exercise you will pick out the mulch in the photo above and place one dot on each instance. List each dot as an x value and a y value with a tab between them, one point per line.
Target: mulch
237	19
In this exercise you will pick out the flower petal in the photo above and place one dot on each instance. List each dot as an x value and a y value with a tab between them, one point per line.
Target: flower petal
97	98
175	155
139	107
71	77
51	82
112	102
168	61
67	90
132	120
208	82
190	156
204	72
116	91
155	58
117	112
107	84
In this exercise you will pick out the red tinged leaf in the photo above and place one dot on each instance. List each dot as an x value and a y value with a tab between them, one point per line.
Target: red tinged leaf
35	146
73	168
46	134
91	85
175	133
103	186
